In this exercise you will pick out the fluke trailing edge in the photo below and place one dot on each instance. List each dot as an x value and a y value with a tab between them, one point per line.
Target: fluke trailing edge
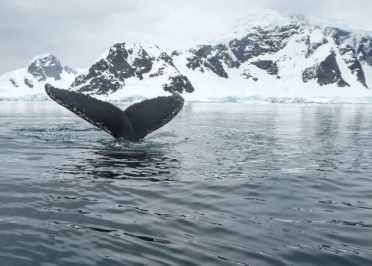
133	124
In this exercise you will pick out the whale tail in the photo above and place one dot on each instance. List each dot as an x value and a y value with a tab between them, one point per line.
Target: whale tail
132	124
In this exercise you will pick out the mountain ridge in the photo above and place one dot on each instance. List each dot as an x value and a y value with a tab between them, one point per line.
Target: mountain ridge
270	54
28	81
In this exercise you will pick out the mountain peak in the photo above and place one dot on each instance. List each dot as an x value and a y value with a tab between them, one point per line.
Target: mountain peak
42	56
127	63
129	49
263	18
45	66
42	68
268	18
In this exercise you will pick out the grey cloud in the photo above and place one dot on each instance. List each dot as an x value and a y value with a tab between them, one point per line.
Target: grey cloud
79	31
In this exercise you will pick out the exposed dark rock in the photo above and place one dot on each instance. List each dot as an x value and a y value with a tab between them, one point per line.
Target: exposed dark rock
45	67
365	50
175	53
212	58
327	72
349	57
220	57
100	79
69	70
179	84
158	73
261	42
14	82
348	48
28	83
337	34
108	74
166	58
247	75
142	63
310	73
268	65
121	63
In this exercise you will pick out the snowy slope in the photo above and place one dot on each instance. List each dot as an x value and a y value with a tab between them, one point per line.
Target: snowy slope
272	55
28	83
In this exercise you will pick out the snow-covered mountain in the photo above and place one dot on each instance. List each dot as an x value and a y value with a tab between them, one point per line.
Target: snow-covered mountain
127	70
29	81
265	54
269	54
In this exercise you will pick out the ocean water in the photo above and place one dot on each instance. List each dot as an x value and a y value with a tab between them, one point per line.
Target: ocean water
221	184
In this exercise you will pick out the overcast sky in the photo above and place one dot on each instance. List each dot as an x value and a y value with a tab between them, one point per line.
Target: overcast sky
79	31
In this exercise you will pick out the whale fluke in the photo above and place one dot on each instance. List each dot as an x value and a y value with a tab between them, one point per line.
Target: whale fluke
133	124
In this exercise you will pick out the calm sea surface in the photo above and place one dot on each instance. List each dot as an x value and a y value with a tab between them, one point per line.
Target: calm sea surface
221	184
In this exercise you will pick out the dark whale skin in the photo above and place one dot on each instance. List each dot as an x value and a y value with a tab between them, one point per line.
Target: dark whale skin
133	124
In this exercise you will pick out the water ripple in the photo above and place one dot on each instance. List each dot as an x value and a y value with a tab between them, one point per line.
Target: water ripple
226	184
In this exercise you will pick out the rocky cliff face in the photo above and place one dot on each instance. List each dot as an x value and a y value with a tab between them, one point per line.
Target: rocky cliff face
326	72
270	49
125	63
232	54
46	66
